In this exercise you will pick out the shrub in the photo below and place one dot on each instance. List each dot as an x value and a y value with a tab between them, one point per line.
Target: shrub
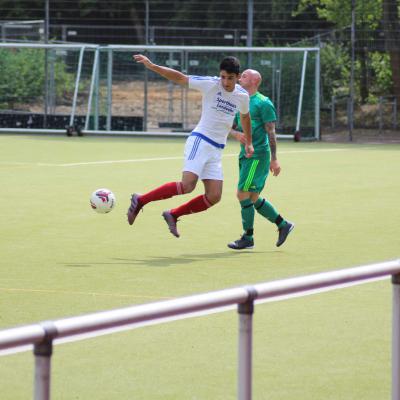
22	76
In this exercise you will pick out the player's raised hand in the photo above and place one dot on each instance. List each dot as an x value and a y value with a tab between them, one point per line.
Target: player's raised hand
140	58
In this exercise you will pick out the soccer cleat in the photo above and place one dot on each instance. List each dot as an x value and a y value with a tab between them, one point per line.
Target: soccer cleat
242	244
134	208
284	232
171	222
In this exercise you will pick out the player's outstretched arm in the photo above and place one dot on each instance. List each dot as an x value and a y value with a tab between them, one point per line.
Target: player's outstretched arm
168	73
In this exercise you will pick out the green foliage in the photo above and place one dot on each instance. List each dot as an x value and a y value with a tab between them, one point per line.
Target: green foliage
64	81
335	70
380	64
19	74
339	11
22	76
335	73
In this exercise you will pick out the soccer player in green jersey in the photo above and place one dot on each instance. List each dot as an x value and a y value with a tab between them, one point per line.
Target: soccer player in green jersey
253	171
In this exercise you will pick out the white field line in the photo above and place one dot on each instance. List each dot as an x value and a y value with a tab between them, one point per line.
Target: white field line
136	160
103	332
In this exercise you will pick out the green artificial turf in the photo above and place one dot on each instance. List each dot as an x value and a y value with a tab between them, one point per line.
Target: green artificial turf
59	259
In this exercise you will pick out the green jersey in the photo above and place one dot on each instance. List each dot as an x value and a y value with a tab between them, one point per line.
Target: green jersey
262	111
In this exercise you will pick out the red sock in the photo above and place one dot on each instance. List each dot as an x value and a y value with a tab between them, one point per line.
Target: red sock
198	204
162	192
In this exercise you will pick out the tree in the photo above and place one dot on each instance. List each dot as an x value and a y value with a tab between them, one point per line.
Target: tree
370	15
391	27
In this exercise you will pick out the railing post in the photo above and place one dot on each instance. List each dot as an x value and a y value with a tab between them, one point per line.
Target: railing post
396	338
246	311
43	352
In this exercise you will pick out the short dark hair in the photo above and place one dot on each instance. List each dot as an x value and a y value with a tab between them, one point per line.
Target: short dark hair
231	65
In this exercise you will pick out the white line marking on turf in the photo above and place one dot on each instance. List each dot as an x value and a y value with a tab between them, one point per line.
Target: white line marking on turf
135	160
190	315
178	158
68	292
119	161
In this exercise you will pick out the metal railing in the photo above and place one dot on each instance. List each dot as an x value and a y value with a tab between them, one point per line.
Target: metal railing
42	335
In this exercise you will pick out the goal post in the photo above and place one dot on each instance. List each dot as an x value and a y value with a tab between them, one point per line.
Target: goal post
129	98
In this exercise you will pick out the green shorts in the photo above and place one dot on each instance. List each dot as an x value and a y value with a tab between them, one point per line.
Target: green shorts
253	173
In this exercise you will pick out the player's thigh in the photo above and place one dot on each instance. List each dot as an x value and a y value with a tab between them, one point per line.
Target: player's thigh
253	173
189	181
198	155
212	170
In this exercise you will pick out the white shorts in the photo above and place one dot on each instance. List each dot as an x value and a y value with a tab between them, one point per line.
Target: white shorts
203	159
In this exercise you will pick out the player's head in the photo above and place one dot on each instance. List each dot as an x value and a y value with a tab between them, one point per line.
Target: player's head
250	80
229	71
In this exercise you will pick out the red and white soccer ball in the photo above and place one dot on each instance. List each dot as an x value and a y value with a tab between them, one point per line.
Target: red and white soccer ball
102	201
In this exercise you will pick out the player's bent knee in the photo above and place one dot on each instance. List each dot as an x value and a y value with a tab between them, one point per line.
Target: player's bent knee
188	187
243	195
214	198
240	196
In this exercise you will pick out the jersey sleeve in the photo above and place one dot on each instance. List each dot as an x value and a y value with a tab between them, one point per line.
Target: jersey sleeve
268	113
202	83
244	107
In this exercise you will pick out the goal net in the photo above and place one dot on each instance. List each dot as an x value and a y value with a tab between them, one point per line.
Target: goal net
129	97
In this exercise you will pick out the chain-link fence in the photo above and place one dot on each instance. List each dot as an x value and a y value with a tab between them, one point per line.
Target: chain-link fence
376	27
375	107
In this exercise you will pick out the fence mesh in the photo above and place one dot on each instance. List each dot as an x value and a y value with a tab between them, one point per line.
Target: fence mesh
162	105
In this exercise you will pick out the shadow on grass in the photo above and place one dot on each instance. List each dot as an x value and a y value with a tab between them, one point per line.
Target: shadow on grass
161	261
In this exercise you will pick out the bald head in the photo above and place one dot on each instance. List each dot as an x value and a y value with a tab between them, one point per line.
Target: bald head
250	80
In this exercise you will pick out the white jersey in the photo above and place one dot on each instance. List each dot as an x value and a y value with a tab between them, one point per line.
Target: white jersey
218	107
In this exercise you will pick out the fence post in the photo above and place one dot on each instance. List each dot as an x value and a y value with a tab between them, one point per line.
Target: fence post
333	112
380	110
350	117
76	89
246	311
92	90
43	352
396	337
395	113
110	56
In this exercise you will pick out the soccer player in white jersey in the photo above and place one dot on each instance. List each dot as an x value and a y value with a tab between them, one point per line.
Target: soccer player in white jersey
222	97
